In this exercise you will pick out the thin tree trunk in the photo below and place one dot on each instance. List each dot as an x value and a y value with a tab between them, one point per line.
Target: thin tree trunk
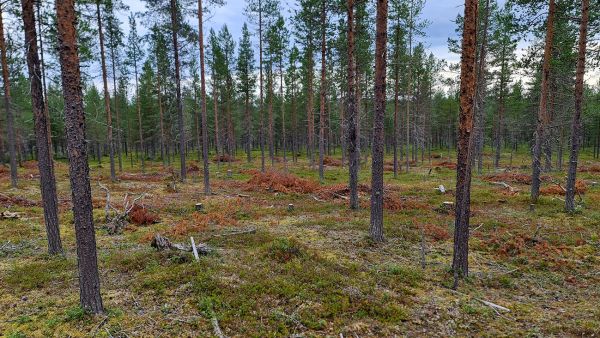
10	120
353	153
203	102
409	90
261	135
283	136
542	122
109	131
468	83
481	91
270	113
376	228
396	95
310	106
89	279
179	102
322	94
42	137
576	126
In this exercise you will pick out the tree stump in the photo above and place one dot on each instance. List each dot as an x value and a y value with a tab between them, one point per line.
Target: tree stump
199	207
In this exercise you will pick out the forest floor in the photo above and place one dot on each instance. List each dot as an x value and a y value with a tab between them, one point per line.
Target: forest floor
310	271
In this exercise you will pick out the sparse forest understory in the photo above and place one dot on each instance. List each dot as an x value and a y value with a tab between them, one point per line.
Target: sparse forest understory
312	269
317	172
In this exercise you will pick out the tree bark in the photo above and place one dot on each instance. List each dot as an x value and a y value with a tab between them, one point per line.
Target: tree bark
481	92
322	94
109	131
460	262
89	279
10	120
352	113
261	134
175	32
203	102
42	137
576	126
376	229
543	118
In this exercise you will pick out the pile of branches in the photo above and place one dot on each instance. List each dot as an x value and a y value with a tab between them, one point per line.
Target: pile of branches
116	220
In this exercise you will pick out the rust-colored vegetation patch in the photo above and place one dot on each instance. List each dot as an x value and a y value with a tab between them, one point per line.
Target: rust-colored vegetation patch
436	232
594	168
341	191
7	201
224	158
580	188
280	182
140	215
445	164
510	177
149	177
201	221
332	162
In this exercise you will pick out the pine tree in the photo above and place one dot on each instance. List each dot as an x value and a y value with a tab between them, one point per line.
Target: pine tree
576	125
460	262
134	56
10	120
89	279
543	118
376	228
246	83
42	128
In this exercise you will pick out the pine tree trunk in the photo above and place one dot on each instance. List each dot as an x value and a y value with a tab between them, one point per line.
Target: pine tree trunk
203	103
89	279
261	134
322	94
310	106
270	114
109	128
352	136
481	92
576	126
396	95
540	132
376	229
179	102
283	136
42	137
10	120
460	262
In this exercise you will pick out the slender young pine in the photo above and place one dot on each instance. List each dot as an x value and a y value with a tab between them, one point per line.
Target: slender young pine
468	83
576	125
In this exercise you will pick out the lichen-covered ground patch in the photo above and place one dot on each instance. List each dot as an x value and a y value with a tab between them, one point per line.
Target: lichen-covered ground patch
309	269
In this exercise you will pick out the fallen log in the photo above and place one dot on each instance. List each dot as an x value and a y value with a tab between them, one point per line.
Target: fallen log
163	243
